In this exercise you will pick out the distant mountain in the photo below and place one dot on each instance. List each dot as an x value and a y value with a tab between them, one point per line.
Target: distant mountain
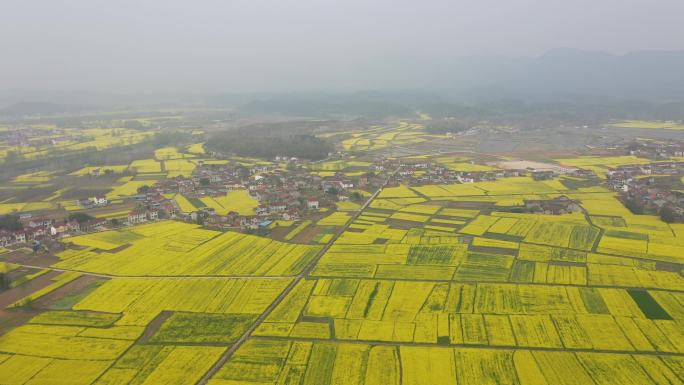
559	75
367	105
33	108
568	73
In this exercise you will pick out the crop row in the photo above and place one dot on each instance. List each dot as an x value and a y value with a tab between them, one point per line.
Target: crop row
181	249
322	363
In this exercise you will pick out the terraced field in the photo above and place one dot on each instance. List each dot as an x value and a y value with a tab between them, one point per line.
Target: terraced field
425	285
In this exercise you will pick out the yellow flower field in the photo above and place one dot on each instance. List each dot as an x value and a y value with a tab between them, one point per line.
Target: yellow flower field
239	201
173	248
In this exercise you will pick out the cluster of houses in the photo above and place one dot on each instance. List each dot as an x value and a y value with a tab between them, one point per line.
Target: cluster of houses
556	206
44	228
425	171
53	226
655	149
142	215
415	172
281	194
643	188
622	177
25	135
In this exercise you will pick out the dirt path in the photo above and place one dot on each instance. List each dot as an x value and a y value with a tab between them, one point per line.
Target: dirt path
75	287
56	269
464	346
153	326
10	319
38	260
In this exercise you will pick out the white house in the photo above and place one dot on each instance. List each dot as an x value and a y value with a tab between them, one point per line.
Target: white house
137	217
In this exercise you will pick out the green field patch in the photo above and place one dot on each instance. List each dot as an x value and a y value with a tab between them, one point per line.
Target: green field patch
503	237
255	365
593	301
627	235
541	253
68	301
76	318
197	202
648	305
440	273
203	328
484	267
584	237
606	221
523	271
434	255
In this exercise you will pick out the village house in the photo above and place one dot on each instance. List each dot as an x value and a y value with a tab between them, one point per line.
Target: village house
312	204
291	215
137	216
6	238
153	215
59	230
556	206
277	207
97	224
543	175
20	236
96	201
74	226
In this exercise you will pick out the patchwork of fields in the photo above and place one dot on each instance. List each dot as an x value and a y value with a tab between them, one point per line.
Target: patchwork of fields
303	362
381	137
103	340
62	189
92	138
426	285
484	314
179	249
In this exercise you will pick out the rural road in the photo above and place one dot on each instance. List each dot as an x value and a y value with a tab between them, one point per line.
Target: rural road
298	278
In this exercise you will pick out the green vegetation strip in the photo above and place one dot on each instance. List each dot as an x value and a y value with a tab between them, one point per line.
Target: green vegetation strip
627	235
196	202
76	318
203	328
648	305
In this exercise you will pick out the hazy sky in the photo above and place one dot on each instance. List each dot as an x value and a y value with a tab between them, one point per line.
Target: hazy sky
255	45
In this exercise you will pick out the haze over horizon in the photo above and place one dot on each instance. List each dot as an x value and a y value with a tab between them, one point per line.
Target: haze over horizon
305	45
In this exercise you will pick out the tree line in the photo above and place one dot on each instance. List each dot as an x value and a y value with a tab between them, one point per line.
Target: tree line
258	143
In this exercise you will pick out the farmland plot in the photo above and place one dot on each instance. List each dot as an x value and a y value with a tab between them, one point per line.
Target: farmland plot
412	292
277	361
172	248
